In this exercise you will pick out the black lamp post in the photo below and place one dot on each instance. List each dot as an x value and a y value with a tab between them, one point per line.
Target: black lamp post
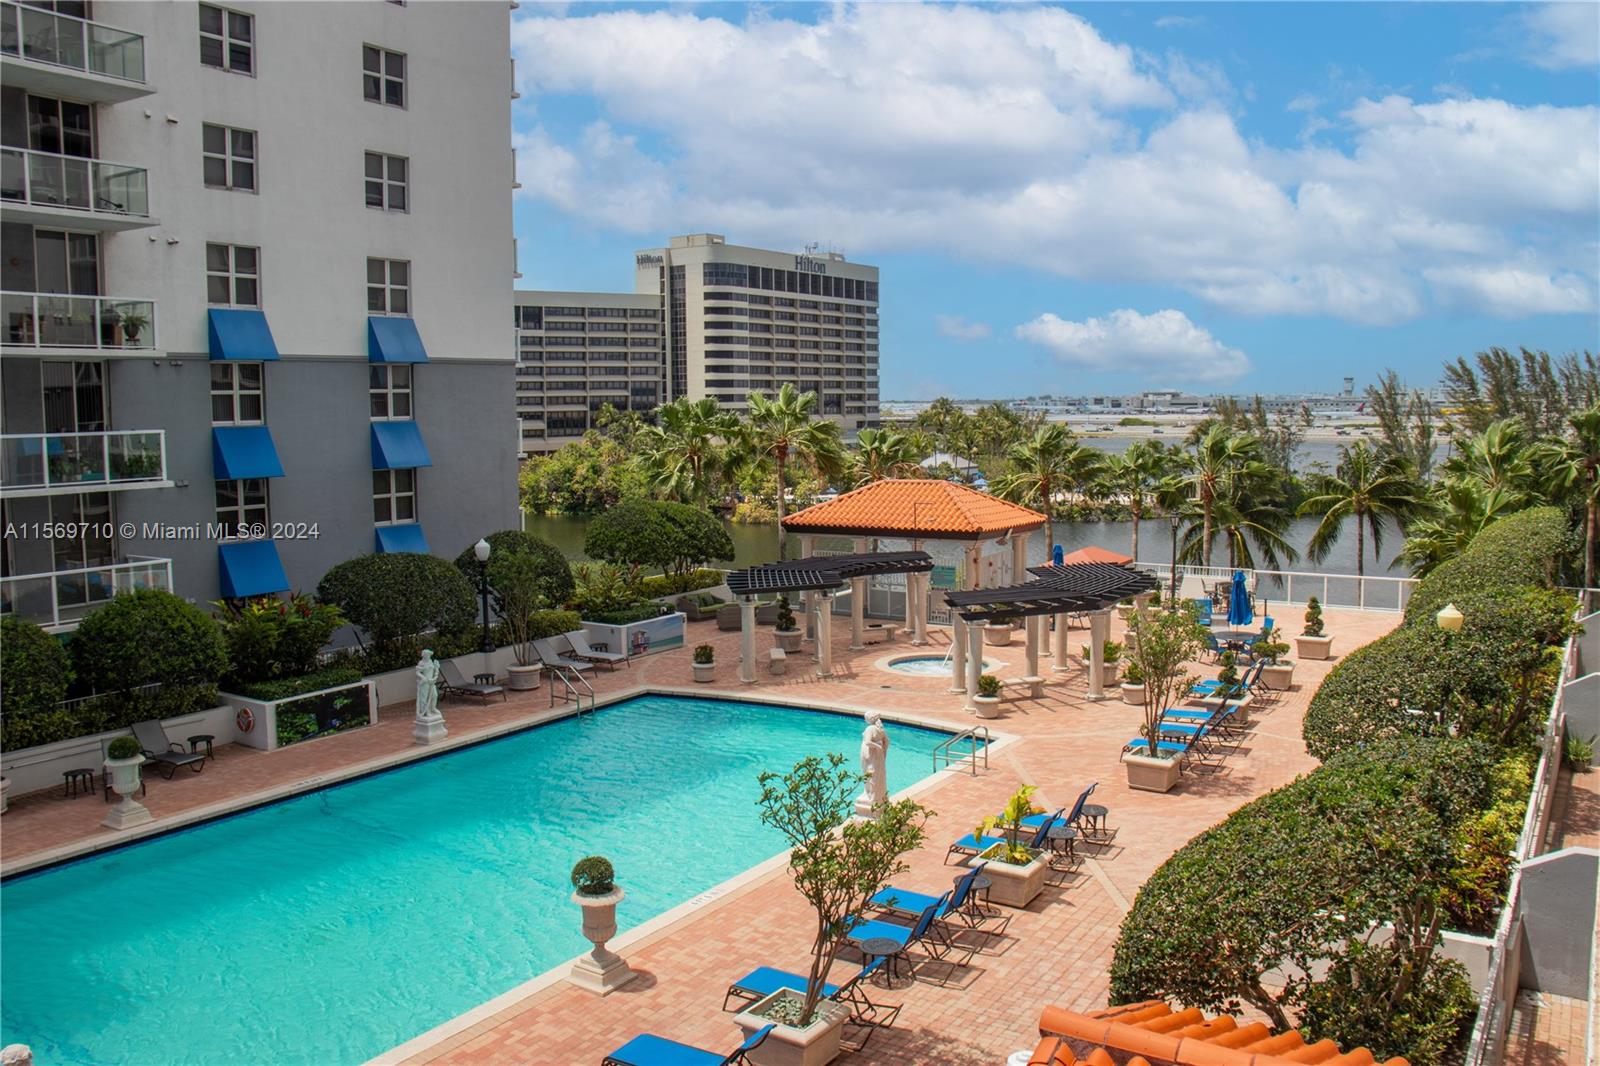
481	550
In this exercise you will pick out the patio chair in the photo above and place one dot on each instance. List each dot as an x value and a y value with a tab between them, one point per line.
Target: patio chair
647	1049
973	844
906	936
578	640
545	648
908	904
1212	648
168	755
765	980
1212	688
1202	608
453	684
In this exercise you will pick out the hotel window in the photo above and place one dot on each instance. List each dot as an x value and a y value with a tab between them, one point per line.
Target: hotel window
240	505
387	182
383	76
391	392
233	275
227	39
230	157
237	395
388	287
394	496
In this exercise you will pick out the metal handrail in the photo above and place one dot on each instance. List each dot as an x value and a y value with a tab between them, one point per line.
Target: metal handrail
567	676
945	749
1397	589
82	461
83	587
54	179
46	36
76	320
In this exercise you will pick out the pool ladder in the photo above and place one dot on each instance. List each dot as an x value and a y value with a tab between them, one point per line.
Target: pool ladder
978	737
571	681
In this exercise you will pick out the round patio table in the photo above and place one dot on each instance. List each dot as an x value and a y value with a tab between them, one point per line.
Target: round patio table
891	951
1233	638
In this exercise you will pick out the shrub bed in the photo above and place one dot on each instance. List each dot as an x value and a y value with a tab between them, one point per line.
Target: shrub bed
624	615
1522	549
343	673
677	584
34	668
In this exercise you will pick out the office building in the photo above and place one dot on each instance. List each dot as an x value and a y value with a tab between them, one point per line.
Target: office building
257	288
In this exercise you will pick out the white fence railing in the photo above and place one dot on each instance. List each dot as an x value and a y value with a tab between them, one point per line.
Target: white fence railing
50	179
68	41
1365	593
81	462
62	597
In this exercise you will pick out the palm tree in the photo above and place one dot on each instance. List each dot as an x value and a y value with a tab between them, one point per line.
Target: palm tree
1133	476
782	430
1572	468
1499	458
1221	456
1045	464
1173	495
938	418
885	453
1462	508
684	452
1367	487
1251	519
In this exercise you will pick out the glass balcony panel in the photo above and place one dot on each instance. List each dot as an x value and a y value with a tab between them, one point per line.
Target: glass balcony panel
13	174
116	52
59	180
76	458
121	189
62	40
21	462
134	456
52	320
52	38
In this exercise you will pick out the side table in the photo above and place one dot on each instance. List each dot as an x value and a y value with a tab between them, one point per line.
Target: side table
206	739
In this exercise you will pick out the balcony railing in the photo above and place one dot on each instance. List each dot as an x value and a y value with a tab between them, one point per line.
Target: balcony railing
42	320
38	463
45	179
64	41
62	597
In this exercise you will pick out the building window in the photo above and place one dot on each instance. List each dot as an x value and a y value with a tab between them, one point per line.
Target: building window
388	287
242	508
386	182
230	157
394	496
383	76
391	392
237	396
233	275
227	39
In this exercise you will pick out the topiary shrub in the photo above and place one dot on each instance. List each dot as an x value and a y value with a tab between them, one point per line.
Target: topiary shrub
34	669
147	637
1522	549
786	621
123	748
658	534
704	654
552	573
593	876
1313	624
988	685
394	596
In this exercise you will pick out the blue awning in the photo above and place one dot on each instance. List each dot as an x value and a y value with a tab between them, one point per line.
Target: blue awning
398	446
402	538
250	568
391	339
238	333
243	451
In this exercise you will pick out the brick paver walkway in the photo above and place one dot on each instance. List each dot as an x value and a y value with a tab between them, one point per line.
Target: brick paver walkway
1056	951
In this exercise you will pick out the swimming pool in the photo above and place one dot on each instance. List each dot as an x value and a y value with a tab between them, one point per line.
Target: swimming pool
330	927
926	665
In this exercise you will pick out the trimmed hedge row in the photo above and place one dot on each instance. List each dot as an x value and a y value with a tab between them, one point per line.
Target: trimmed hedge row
1520	550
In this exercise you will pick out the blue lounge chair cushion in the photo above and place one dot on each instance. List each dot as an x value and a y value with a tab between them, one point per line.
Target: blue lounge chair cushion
895	899
767	980
876	929
971	842
649	1050
1190	714
1170	746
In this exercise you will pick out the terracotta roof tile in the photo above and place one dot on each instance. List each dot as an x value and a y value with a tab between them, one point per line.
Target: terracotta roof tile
1093	553
915	507
1185	1037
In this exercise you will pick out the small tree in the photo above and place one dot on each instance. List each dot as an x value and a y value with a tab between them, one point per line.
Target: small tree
34	669
1165	641
1313	626
519	580
144	637
838	865
1018	807
395	595
555	575
786	620
636	531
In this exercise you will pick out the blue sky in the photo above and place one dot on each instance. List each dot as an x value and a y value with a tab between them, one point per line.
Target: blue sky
1095	197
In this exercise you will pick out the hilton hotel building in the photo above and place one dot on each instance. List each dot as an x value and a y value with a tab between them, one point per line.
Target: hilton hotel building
706	318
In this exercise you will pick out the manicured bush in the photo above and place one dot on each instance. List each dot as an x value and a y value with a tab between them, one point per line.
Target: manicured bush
553	582
147	637
553	623
1313	624
705	654
626	615
593	876
269	638
786	620
1522	549
123	748
988	685
394	596
658	534
34	669
677	584
342	673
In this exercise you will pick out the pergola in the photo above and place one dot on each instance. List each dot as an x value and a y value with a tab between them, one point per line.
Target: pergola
1070	588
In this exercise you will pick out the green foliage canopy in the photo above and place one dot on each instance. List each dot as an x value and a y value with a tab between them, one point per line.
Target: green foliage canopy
395	596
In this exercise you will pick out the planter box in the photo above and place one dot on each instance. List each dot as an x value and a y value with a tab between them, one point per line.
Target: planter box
789	639
523	678
988	706
705	672
1313	647
1278	676
815	1045
1132	694
270	725
999	636
1150	775
640	638
1015	886
1125	611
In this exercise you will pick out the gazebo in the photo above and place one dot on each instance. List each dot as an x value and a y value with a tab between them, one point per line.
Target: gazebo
917	510
1093	553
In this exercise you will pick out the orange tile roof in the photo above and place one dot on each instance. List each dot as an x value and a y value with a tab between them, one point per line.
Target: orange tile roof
1094	554
915	507
1142	1033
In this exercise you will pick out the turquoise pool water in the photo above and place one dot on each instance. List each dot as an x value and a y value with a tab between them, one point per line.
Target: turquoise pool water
330	927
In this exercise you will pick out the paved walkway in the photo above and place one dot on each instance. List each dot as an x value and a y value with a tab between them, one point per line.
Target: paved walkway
1057	951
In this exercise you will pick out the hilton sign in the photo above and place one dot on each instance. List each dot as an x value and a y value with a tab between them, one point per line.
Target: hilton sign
644	259
810	265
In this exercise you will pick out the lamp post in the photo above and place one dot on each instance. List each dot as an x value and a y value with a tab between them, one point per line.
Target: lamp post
481	550
1450	619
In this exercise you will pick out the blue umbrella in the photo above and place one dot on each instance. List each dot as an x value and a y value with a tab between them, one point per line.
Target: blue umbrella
1239	611
1058	556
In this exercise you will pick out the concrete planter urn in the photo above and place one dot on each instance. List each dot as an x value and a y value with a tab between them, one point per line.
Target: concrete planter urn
1108	673
999	636
1014	886
1313	647
125	782
1125	610
789	639
815	1045
522	678
1132	694
705	672
1150	775
1278	676
988	706
602	970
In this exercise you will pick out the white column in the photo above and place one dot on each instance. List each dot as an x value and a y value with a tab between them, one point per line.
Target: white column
974	665
747	639
1019	558
958	653
808	544
1061	665
1032	626
858	608
1099	633
920	619
911	593
824	635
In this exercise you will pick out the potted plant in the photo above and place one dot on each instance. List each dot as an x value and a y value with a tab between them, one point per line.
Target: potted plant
1110	654
517	579
1133	683
838	864
124	756
988	697
1016	872
705	663
595	890
787	631
1311	643
997	633
1125	609
1167	640
1276	675
132	323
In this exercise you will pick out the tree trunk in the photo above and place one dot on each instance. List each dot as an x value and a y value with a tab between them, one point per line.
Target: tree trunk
1135	510
1361	548
1173	596
783	543
1205	546
1049	526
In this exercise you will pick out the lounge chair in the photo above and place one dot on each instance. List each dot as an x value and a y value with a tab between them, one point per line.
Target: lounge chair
866	929
973	844
1212	689
649	1050
766	980
908	904
168	755
546	650
456	685
579	641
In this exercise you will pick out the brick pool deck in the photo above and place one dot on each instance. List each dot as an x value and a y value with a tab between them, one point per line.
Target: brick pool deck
1057	951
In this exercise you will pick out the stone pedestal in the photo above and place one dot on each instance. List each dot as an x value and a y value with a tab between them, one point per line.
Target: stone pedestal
601	971
429	730
866	810
128	812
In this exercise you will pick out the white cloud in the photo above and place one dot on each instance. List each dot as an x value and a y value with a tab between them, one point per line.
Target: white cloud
959	328
1563	35
1178	22
1018	136
1164	345
1512	292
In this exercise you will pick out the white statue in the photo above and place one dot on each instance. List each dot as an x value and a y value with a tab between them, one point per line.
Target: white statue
427	686
874	766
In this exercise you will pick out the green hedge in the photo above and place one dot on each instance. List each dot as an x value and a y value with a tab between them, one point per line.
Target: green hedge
624	615
553	624
1519	550
102	714
395	596
147	637
675	584
343	673
34	668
